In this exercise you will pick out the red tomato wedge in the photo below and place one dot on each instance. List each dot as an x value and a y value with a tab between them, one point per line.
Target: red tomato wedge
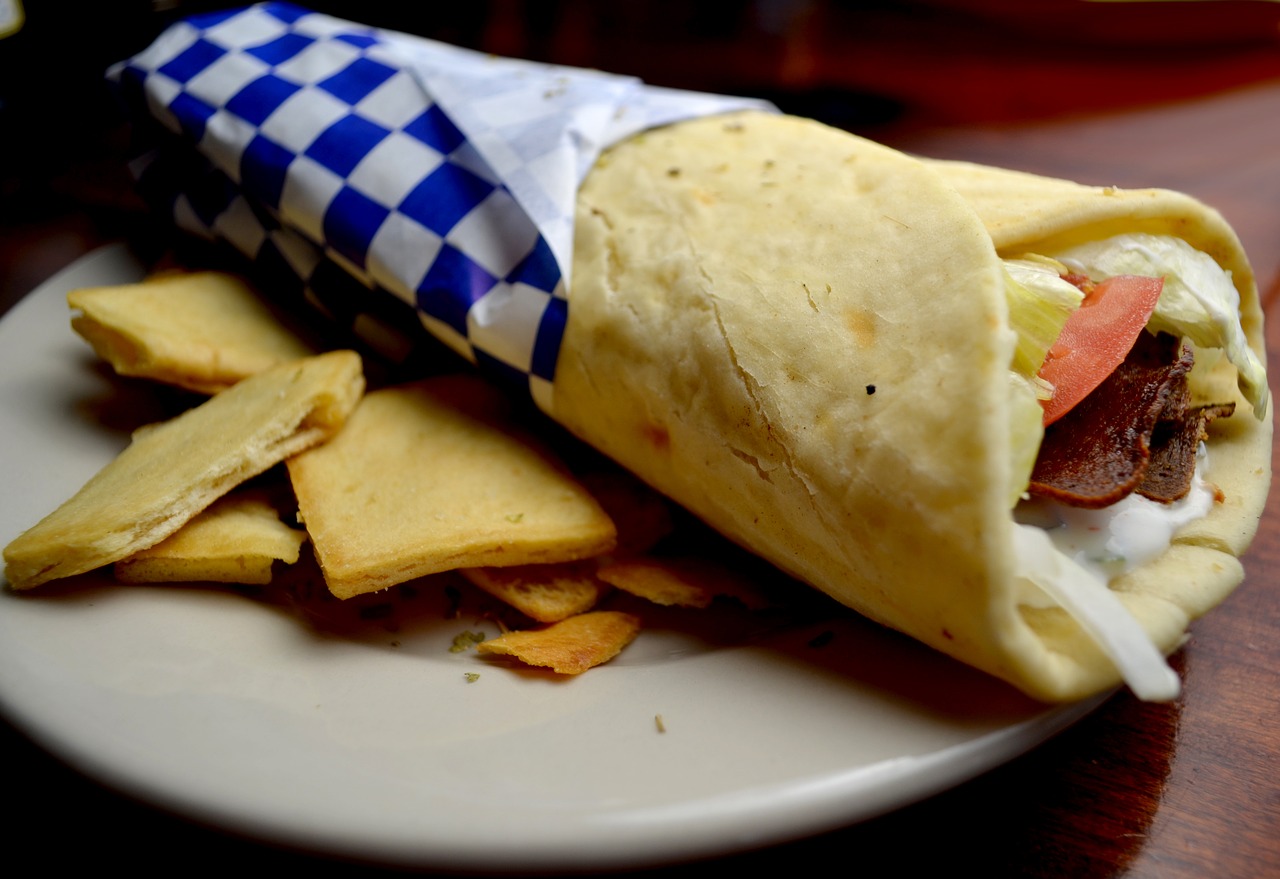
1096	339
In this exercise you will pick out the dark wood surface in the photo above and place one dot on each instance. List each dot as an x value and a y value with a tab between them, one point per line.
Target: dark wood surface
1188	789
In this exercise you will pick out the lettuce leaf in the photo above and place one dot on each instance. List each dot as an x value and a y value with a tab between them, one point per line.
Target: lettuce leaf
1098	611
1199	301
1039	304
1026	431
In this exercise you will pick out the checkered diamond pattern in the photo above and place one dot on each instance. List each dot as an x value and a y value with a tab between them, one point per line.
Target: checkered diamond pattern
370	165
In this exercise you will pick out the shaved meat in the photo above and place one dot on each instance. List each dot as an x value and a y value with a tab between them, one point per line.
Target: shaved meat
1100	451
1173	452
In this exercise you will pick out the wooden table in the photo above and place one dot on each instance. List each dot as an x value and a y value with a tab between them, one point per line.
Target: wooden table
1187	789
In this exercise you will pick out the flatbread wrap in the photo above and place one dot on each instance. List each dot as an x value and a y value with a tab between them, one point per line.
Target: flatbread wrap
806	339
853	362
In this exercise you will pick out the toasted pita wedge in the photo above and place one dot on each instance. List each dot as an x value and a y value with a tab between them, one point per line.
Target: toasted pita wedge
436	476
571	646
546	593
237	539
172	471
685	581
203	331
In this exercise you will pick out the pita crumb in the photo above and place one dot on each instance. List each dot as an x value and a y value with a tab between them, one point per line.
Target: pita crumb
570	646
546	593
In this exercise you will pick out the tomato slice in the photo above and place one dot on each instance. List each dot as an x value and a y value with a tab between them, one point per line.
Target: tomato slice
1096	339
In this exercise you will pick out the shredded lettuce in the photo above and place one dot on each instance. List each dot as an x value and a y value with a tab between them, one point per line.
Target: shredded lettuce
1099	612
1026	424
1199	300
1039	304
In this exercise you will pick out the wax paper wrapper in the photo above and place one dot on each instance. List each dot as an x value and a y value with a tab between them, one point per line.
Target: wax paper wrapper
364	162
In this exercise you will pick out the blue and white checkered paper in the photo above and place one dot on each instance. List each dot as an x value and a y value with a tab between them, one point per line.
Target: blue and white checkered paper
378	162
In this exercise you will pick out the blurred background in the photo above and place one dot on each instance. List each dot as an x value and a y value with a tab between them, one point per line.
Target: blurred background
878	68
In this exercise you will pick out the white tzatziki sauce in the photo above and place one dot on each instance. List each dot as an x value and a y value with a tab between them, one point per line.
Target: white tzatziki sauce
1066	557
1115	539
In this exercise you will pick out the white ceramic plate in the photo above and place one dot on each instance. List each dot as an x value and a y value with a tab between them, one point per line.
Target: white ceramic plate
367	739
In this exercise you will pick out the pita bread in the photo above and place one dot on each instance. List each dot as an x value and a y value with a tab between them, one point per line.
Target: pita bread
172	471
801	336
436	476
570	646
682	581
237	539
203	331
547	593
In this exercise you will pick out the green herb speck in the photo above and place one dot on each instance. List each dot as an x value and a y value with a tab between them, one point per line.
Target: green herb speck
465	641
